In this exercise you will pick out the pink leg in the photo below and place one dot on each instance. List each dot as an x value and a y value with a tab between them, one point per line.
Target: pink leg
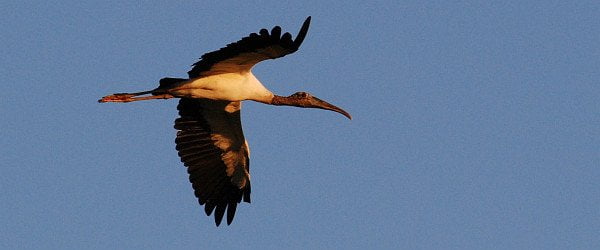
130	97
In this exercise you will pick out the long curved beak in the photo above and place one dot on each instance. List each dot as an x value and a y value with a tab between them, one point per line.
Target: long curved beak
306	100
318	103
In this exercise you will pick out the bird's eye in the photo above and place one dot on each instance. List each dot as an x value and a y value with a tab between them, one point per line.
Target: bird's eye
299	95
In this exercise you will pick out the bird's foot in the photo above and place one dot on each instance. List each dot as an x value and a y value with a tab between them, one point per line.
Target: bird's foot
121	97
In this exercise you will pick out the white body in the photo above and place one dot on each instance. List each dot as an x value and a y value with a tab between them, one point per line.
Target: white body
226	86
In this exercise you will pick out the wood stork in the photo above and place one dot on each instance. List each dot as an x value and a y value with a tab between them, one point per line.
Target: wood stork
209	139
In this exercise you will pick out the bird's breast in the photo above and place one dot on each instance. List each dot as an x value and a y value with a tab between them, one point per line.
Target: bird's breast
228	86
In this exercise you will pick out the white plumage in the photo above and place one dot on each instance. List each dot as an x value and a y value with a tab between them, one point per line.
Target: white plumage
210	140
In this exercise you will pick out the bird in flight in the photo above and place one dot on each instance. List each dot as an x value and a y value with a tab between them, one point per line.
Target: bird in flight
210	141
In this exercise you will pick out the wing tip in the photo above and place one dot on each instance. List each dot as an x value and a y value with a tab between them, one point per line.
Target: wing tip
302	33
231	212
219	212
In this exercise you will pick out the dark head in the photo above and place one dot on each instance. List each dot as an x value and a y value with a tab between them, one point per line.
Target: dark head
306	100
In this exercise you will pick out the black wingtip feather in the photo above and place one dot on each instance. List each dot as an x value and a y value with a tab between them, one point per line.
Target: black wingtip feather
302	33
286	40
208	208
231	212
247	193
264	33
219	212
275	34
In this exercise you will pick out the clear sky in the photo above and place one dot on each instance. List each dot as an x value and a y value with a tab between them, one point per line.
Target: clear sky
476	126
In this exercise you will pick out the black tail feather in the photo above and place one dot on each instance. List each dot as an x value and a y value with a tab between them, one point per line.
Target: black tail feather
169	82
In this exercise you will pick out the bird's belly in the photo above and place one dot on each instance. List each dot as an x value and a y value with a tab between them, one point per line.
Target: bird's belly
229	87
216	87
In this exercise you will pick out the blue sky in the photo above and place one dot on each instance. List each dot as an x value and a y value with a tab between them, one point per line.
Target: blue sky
476	125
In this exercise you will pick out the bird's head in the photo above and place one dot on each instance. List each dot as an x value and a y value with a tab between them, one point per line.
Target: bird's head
306	100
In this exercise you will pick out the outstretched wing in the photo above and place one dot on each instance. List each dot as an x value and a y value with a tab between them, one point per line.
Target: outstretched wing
211	145
242	55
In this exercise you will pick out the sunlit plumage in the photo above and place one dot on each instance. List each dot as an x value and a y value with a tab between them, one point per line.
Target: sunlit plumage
209	139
